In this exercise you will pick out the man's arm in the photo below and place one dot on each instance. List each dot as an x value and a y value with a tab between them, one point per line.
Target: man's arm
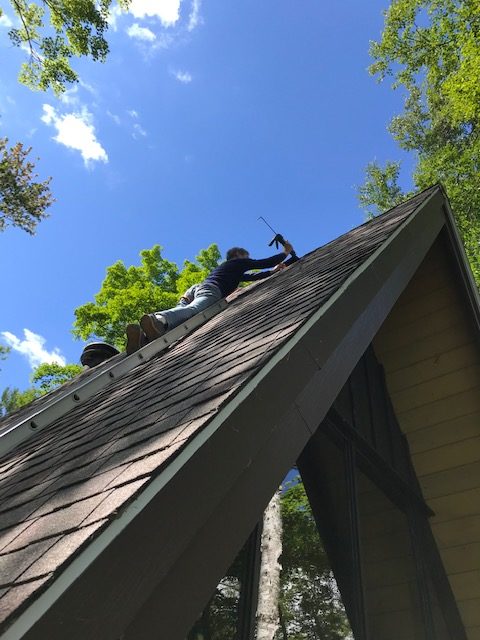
249	277
268	263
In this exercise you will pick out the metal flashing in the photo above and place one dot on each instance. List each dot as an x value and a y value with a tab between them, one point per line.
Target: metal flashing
37	420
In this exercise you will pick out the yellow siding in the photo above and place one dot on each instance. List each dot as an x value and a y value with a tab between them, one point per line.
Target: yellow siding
429	349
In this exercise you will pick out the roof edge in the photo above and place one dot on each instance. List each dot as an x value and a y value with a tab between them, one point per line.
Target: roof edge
461	259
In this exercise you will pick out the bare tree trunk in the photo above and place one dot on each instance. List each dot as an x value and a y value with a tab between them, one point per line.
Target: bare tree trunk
269	585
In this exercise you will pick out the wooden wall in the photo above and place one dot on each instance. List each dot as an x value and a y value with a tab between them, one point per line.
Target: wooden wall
430	352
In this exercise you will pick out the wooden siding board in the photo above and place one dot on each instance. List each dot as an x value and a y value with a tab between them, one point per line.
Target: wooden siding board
441	363
445	386
461	558
455	454
441	483
457	504
445	433
454	532
470	612
433	375
449	407
466	585
473	633
420	350
391	339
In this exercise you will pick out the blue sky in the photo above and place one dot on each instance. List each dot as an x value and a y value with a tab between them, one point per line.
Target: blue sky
207	114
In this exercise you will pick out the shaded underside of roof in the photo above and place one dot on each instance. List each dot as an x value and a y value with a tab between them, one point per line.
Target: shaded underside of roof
63	486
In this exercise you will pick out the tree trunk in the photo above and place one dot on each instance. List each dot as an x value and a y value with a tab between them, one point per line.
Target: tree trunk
269	585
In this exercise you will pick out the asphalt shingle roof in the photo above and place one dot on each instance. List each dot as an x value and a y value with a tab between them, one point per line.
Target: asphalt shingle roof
63	486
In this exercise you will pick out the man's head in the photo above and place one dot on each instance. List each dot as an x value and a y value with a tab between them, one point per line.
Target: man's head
237	252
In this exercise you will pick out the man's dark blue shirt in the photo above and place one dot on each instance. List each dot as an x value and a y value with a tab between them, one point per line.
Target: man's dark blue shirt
229	274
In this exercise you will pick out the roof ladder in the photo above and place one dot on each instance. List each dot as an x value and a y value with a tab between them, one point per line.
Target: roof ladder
38	419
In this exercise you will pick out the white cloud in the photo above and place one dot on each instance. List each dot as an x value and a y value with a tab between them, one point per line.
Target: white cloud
183	76
114	117
88	87
113	16
194	19
138	130
5	21
33	348
167	11
76	131
132	113
70	96
141	33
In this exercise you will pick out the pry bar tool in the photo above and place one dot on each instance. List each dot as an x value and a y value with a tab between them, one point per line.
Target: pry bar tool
279	239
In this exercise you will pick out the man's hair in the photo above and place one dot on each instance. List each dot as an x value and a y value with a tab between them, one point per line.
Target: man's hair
234	252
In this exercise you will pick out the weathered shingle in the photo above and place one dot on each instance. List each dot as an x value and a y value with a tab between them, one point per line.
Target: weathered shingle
62	486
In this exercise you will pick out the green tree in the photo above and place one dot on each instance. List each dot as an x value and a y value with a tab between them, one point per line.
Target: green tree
430	48
23	201
4	351
125	294
54	32
50	375
381	190
45	378
310	603
129	292
12	399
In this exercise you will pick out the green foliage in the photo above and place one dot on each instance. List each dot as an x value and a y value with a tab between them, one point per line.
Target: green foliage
23	202
12	399
50	375
129	292
55	31
381	190
4	351
310	603
431	49
46	377
193	273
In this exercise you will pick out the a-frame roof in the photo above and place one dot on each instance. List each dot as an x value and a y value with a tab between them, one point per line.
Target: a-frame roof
115	504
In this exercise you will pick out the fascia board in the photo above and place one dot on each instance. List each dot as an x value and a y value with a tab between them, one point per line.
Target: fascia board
469	283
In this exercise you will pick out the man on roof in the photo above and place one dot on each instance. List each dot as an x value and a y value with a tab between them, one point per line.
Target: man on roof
220	283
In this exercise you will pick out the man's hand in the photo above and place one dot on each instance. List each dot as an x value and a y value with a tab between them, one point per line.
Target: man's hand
279	267
287	247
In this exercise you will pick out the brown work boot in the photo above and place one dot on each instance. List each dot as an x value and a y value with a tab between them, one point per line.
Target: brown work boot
152	327
135	338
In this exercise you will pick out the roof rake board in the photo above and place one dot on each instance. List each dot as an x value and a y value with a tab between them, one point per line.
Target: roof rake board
185	466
